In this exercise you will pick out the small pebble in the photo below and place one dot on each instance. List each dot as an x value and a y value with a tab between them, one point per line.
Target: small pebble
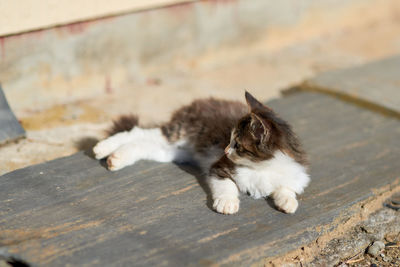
375	248
396	199
387	259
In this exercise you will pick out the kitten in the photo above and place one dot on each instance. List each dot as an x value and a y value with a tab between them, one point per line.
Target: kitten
242	148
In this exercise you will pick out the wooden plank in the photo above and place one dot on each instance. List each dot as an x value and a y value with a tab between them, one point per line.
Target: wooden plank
10	128
375	85
73	211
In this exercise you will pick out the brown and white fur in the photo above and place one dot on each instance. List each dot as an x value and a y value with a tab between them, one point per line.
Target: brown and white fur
247	149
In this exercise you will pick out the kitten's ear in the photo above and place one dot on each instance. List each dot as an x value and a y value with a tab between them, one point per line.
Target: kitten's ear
259	128
253	103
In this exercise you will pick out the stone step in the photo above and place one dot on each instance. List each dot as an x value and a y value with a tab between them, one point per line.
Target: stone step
375	85
10	128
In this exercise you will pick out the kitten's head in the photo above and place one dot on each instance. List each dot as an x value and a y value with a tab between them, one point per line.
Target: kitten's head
259	134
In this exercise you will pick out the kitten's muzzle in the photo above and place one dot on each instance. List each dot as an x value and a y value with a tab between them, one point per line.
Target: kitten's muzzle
228	150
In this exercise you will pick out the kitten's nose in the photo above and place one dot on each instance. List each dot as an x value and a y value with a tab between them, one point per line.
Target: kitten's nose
227	150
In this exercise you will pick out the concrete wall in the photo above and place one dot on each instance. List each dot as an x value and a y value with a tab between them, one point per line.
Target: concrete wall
81	60
27	15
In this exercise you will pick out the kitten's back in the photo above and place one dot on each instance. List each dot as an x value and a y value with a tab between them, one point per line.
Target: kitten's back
205	123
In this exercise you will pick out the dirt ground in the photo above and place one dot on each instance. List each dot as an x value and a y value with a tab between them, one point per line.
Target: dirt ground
352	249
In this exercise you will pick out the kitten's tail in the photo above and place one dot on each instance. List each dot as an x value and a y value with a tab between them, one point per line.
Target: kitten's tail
123	123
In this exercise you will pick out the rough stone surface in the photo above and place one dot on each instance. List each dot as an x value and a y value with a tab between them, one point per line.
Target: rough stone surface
355	242
72	210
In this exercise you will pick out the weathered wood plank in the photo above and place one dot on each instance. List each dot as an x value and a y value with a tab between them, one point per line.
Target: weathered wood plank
10	129
375	85
73	211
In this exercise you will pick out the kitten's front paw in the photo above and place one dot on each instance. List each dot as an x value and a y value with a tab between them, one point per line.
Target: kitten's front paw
285	200
287	204
226	205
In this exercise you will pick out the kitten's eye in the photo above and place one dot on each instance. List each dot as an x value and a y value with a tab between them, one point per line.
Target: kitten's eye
236	146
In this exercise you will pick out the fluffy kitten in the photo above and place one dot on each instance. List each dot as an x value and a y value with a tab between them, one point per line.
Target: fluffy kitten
242	148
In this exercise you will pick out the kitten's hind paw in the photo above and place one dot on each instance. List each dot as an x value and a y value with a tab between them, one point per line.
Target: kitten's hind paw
226	205
114	163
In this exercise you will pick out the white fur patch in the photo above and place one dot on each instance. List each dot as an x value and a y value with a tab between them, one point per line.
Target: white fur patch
263	178
126	148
